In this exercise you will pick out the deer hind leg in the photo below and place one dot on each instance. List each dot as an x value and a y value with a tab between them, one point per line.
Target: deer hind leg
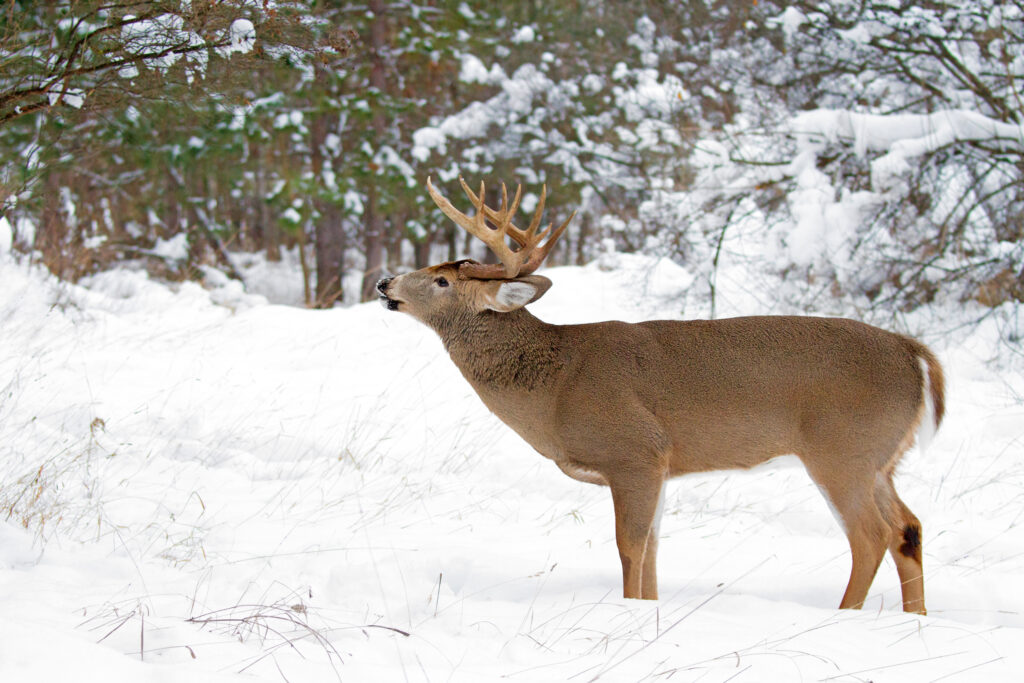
649	575
868	535
637	499
867	530
904	544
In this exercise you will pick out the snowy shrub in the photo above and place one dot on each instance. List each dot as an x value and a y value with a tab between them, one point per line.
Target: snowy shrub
890	166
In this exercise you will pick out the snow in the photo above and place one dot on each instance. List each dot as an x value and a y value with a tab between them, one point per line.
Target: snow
157	33
276	281
72	97
197	492
241	38
791	20
153	34
6	236
903	136
653	95
592	83
517	98
426	139
825	228
524	34
173	249
473	70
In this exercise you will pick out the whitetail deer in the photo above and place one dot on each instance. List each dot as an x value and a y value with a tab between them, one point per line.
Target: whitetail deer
630	405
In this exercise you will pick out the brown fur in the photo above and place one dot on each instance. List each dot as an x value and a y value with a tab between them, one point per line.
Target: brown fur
629	405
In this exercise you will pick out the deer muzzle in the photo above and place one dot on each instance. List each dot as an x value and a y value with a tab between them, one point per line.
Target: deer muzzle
382	293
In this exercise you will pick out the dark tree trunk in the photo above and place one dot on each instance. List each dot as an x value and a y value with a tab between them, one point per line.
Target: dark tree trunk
172	209
52	239
373	216
451	239
395	239
330	257
265	232
581	241
421	253
328	237
373	244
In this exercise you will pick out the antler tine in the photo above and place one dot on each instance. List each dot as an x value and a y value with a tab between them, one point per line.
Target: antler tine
483	211
537	256
532	230
502	218
476	200
515	201
446	207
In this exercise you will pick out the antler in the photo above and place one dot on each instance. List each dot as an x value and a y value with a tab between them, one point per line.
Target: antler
513	262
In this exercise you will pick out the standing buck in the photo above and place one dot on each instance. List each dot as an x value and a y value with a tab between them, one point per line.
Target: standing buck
630	405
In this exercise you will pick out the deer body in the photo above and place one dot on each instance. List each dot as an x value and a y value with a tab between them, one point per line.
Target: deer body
631	405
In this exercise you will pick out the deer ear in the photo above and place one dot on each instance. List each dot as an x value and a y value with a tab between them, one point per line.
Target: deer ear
504	296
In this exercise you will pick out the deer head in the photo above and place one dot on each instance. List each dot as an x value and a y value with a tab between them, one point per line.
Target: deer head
456	289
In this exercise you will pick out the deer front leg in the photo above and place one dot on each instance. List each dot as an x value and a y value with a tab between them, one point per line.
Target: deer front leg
636	497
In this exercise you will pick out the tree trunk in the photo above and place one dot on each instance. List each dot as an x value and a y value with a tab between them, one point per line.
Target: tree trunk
373	217
330	256
421	253
172	208
307	293
197	242
373	244
395	239
451	239
328	236
581	240
51	240
264	230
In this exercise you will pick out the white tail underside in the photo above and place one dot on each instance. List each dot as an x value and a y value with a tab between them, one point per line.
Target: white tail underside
926	430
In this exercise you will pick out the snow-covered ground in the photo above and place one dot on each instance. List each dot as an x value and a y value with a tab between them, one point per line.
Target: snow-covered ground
197	491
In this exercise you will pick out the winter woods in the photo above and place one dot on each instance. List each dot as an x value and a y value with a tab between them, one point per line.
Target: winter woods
197	484
864	153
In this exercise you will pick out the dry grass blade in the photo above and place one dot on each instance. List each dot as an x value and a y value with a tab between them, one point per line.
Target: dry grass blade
277	626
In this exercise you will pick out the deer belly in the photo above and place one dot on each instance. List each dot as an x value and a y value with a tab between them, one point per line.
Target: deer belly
716	441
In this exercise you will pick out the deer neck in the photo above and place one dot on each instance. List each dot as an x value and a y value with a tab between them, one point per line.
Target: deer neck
501	352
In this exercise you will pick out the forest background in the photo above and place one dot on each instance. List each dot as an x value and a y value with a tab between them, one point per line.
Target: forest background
868	153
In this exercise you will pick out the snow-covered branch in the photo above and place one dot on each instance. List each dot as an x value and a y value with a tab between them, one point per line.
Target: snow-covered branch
903	136
43	71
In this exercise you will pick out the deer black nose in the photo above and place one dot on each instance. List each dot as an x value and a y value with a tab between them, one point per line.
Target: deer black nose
382	292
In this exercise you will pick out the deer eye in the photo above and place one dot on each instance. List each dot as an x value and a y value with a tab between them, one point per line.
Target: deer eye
441	282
